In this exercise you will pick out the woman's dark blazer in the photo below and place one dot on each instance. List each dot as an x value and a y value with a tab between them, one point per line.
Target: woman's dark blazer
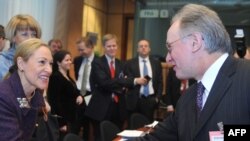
62	94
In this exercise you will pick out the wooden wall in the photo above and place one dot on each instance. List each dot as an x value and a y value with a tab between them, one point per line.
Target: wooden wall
106	16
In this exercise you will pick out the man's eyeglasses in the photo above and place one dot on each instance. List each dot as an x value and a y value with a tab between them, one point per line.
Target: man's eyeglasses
169	45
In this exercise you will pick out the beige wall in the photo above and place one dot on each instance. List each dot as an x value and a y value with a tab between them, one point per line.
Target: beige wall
130	39
94	20
68	24
106	16
75	24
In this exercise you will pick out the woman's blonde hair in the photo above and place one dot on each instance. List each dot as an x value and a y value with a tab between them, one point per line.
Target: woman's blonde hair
25	50
21	22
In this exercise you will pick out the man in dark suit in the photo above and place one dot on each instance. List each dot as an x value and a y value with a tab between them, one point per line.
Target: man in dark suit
199	47
137	100
174	89
85	48
108	101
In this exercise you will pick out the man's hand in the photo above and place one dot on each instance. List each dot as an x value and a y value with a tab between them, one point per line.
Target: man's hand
141	81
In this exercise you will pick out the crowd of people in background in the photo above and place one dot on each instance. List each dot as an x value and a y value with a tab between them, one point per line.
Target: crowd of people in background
35	81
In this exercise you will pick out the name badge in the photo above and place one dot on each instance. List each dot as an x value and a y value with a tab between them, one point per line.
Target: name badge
216	136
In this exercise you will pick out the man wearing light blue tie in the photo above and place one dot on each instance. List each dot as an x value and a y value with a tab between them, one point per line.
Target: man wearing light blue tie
144	98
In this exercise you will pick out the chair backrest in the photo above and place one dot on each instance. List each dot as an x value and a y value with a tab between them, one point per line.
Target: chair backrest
165	69
108	130
138	120
72	137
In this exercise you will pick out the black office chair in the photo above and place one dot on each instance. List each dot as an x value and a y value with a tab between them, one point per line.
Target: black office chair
72	137
108	130
138	120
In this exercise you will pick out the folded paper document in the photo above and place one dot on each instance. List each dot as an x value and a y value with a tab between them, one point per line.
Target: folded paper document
152	125
131	133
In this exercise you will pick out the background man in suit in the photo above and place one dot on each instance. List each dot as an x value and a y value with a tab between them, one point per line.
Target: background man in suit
108	101
139	100
85	48
55	45
174	89
199	47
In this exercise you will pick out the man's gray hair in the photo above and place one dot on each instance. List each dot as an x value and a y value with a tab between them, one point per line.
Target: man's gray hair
201	19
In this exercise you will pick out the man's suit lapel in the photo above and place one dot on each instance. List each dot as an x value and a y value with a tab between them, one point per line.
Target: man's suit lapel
118	68
191	117
219	88
106	65
136	67
154	69
91	74
78	65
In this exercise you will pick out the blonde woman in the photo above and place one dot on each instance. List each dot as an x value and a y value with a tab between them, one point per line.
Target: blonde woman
21	97
19	29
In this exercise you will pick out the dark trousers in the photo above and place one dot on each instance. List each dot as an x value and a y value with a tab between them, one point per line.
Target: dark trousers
147	107
113	115
82	121
96	129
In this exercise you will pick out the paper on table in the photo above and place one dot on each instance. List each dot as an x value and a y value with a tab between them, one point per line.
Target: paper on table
87	98
123	139
152	125
131	133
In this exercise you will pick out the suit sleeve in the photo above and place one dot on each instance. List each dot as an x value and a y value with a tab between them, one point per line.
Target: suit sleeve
55	98
130	72
10	126
164	131
76	66
169	87
158	82
74	62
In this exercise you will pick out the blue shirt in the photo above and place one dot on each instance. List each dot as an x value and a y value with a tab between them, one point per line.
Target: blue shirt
17	115
6	61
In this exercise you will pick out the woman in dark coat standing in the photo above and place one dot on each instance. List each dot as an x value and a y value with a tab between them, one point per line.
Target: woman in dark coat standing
63	95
